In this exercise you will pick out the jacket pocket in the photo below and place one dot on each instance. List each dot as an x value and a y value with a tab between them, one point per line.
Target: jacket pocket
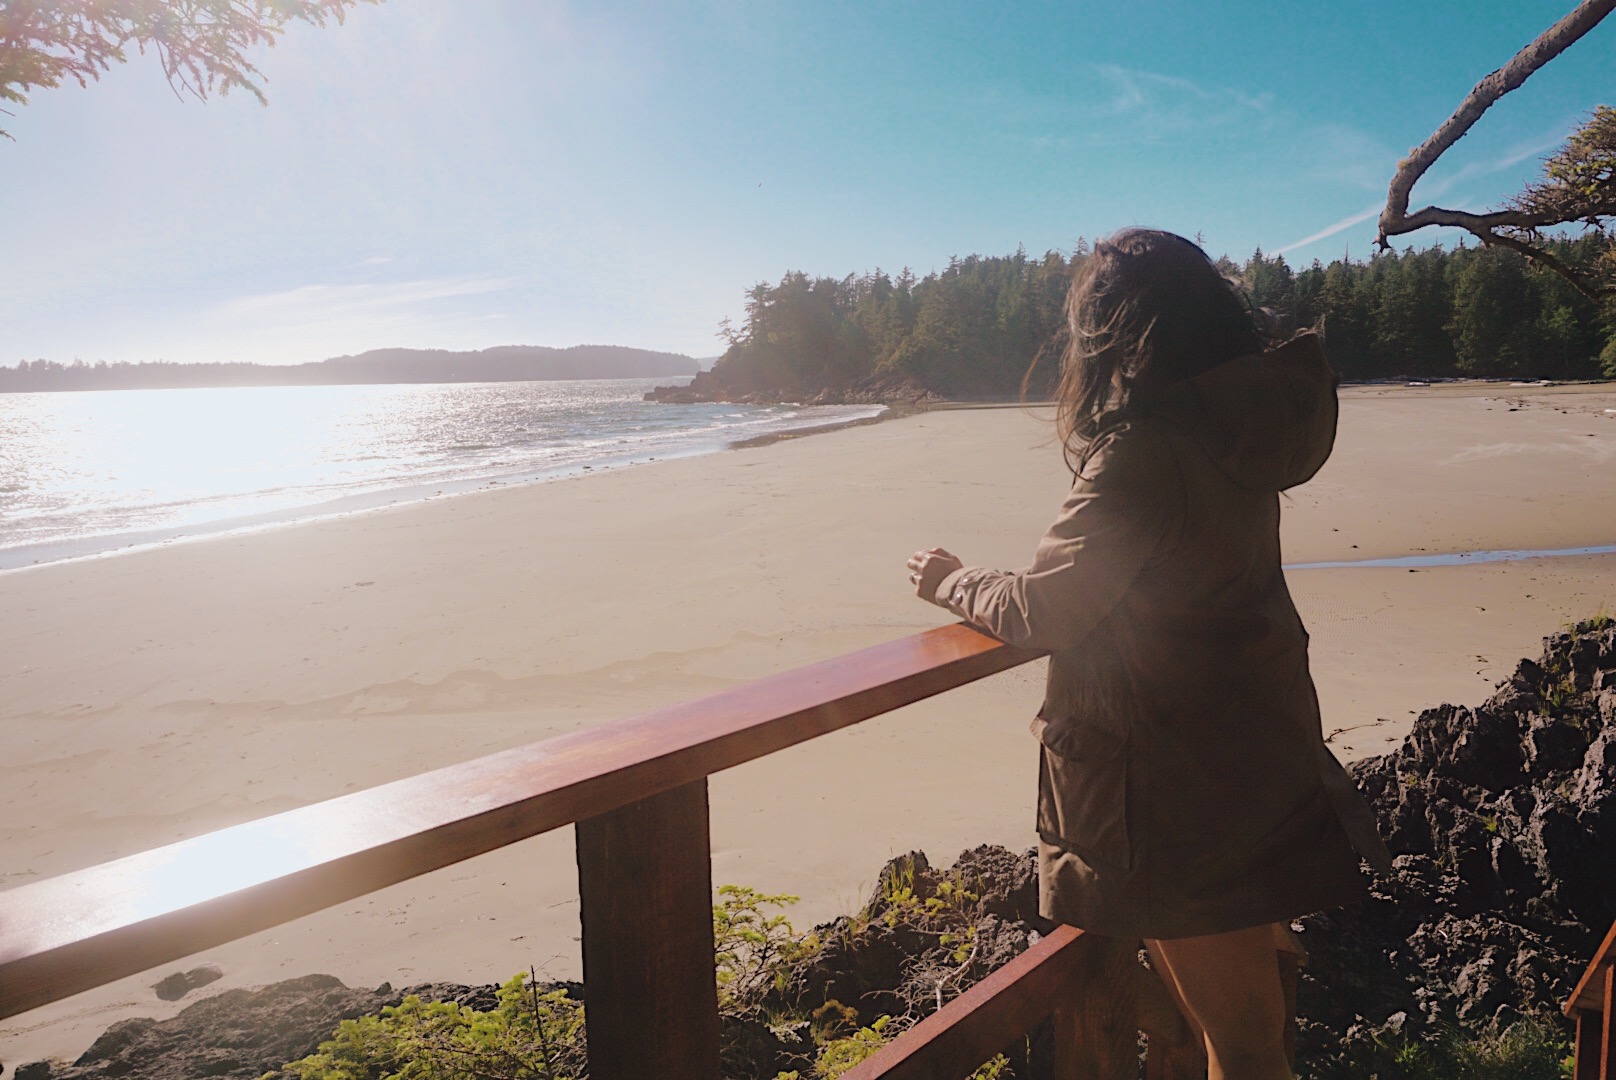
1083	791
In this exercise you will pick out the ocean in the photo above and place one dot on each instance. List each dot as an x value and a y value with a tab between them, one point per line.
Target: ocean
87	473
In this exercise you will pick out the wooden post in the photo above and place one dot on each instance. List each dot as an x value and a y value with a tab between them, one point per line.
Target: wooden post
1607	1019
1585	1055
1096	1027
645	883
1184	1060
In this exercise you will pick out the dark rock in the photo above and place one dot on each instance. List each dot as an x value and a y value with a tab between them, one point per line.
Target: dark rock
1502	821
481	998
724	383
1553	747
924	936
238	1033
180	983
116	1039
1007	884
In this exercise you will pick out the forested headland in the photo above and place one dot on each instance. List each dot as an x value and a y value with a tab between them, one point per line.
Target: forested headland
972	330
505	363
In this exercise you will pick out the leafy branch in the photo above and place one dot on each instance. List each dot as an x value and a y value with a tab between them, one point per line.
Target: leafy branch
201	44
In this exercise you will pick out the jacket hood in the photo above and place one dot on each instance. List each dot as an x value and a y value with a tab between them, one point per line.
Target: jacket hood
1268	419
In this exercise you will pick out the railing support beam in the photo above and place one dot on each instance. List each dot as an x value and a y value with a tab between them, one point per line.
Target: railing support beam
645	883
1587	1045
1607	1027
1096	1026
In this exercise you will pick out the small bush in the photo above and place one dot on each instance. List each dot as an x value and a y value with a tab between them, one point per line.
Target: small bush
1529	1049
537	1035
529	1035
755	951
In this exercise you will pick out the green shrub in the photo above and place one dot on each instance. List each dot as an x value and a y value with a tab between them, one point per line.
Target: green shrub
533	1035
529	1035
1529	1049
755	951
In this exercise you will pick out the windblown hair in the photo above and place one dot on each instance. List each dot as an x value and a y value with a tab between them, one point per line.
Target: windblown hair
1146	309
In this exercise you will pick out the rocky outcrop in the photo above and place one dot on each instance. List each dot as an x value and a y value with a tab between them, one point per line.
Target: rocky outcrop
891	959
924	936
1502	822
719	384
239	1033
175	986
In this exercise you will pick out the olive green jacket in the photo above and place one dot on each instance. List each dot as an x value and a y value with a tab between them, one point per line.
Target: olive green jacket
1185	787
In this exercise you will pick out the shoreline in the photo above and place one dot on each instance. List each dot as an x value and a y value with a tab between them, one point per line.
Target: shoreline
20	557
48	553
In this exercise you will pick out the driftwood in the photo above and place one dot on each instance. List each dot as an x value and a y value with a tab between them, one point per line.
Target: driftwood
1521	220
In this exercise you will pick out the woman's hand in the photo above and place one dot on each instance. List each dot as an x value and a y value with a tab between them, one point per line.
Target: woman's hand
928	569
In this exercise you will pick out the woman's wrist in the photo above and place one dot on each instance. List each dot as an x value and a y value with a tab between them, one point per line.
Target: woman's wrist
946	594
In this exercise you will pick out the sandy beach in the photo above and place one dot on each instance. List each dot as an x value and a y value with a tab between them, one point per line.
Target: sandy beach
156	695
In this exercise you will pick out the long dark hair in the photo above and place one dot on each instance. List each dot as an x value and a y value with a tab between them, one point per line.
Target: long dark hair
1146	309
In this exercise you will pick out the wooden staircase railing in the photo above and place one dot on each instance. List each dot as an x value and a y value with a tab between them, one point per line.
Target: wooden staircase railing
1593	1006
636	789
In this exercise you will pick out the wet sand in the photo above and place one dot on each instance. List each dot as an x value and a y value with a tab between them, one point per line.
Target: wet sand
156	695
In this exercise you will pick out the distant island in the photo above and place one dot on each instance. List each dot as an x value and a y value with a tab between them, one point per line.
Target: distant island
503	363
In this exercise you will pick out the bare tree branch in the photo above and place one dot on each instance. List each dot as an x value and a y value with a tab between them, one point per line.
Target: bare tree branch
1578	185
1395	219
1463	219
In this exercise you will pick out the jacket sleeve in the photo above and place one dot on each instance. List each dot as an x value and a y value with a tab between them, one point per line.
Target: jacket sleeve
1125	506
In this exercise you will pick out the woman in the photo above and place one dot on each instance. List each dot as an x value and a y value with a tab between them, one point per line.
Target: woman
1186	796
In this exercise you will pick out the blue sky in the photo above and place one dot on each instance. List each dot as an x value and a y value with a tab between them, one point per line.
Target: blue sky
480	172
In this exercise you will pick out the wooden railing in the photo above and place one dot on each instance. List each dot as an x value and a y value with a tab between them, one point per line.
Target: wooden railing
637	791
1593	1006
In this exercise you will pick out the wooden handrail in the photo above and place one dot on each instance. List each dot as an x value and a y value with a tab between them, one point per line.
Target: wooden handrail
985	1019
1593	1006
1092	989
90	927
1588	991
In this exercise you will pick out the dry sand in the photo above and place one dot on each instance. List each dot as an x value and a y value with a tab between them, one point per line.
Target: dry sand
155	695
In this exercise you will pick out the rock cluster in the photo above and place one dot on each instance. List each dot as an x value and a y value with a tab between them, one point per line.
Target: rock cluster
877	968
239	1033
720	385
1502	823
924	936
175	986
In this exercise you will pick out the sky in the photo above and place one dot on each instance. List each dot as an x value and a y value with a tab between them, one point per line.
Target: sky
468	173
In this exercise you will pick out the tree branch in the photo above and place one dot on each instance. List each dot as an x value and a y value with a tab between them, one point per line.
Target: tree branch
1395	218
1548	261
1475	223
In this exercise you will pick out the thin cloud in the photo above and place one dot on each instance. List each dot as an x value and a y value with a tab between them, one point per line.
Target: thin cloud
1334	153
1532	150
1436	188
324	302
1330	230
1441	185
1111	105
1160	104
